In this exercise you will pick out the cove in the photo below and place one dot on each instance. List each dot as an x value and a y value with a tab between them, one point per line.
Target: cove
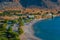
48	29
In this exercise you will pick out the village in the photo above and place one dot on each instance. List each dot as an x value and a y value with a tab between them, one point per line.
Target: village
14	18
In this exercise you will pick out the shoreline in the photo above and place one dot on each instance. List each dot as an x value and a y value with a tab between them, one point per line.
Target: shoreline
28	31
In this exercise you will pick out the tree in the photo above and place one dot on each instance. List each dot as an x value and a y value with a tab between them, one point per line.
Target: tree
8	34
16	38
16	21
20	31
21	23
4	26
39	13
10	29
3	38
6	21
6	13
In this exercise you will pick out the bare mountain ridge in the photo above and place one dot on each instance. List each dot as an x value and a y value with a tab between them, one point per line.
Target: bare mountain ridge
49	4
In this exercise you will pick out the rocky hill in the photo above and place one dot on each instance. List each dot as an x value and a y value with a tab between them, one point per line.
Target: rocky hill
10	5
18	4
41	3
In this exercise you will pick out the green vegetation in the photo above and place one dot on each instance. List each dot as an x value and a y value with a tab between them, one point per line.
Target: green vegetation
6	13
15	11
21	22
28	20
9	34
20	31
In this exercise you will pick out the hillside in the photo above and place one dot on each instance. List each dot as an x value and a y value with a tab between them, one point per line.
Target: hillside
41	3
18	4
10	5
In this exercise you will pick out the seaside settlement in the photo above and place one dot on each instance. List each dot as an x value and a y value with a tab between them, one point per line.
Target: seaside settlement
13	19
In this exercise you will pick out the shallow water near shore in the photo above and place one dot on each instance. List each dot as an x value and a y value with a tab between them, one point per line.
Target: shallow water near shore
48	29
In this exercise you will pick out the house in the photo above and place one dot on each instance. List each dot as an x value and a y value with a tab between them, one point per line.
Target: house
30	16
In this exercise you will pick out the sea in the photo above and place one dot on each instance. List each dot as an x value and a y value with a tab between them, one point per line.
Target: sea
48	29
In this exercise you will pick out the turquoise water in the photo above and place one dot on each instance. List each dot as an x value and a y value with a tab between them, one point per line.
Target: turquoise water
48	29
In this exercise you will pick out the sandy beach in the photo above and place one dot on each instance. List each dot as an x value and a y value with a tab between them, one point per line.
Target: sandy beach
28	31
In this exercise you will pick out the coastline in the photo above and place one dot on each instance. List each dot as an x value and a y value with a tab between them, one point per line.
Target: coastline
28	31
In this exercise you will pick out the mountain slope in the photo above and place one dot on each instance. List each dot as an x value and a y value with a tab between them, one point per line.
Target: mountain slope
51	4
27	3
41	3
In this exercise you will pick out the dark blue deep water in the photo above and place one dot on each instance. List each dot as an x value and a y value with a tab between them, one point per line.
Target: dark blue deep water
48	29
